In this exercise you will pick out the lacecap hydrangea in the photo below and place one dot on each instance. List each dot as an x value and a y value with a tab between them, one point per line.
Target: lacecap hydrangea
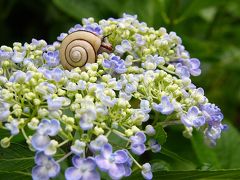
123	94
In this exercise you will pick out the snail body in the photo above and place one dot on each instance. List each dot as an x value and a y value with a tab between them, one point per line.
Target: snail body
81	47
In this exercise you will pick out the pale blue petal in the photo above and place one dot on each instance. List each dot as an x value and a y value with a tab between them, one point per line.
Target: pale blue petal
73	173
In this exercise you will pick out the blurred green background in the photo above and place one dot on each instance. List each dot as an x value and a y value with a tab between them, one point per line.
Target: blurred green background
210	30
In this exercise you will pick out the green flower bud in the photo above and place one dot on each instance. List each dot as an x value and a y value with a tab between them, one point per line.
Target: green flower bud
93	79
37	102
98	130
70	120
129	132
84	76
17	112
42	112
68	128
30	96
33	124
135	129
5	142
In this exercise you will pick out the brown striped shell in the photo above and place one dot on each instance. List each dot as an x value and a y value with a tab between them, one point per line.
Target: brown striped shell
81	47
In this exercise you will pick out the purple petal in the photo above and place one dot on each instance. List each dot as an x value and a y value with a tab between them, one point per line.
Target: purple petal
106	63
73	173
102	163
39	173
89	164
139	138
116	171
193	111
120	156
195	63
146	171
40	142
77	161
106	150
91	175
138	149
200	121
54	169
41	158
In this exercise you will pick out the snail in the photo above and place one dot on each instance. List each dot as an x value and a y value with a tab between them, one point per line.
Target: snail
81	47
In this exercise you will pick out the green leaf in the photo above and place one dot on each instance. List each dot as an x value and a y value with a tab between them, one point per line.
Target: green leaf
15	175
160	135
184	162
16	158
205	154
196	174
228	148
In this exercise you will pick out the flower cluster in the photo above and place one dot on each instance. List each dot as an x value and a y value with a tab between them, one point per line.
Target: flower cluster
102	117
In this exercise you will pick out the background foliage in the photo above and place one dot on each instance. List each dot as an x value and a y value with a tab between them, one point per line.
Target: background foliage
210	31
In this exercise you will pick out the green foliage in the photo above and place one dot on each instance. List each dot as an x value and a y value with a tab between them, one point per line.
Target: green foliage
196	174
160	135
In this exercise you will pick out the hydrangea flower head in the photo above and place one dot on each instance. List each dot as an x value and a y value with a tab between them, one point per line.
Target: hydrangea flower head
105	114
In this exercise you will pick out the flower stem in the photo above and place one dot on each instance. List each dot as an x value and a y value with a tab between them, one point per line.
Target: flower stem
64	157
134	160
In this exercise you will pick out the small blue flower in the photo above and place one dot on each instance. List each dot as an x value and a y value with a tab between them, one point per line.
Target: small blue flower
113	163
40	140
124	47
182	71
139	40
18	56
81	85
18	76
97	144
194	67
213	133
192	118
116	64
4	55
52	58
105	100
212	114
165	107
84	169
77	27
61	36
54	104
95	28
86	120
46	89
137	143
152	62
154	146
46	167
145	106
13	127
147	171
130	88
78	148
56	74
4	111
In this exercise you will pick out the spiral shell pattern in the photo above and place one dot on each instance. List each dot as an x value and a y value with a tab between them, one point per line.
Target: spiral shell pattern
78	49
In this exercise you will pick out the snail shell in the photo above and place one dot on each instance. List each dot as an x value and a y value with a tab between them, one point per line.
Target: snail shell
79	48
